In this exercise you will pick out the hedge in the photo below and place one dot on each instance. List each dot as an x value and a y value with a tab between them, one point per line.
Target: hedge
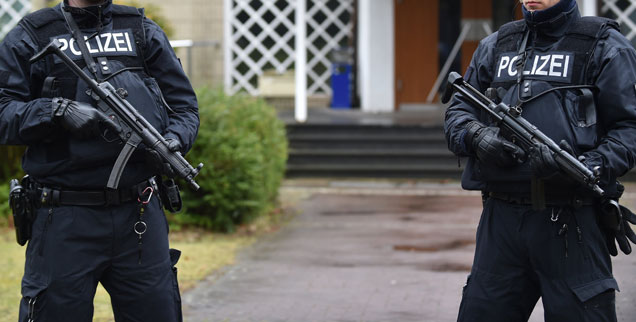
5	210
243	146
10	168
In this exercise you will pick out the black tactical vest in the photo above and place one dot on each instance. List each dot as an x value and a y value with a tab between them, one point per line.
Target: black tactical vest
563	113
125	43
118	50
566	64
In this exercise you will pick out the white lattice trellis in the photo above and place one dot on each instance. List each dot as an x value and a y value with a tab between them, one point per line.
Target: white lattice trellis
11	11
329	27
262	38
624	11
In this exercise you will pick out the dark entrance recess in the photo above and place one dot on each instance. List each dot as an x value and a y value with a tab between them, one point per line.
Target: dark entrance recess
449	29
416	57
504	11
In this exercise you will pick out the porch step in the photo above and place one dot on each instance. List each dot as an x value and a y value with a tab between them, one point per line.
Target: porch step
373	171
373	150
360	156
374	141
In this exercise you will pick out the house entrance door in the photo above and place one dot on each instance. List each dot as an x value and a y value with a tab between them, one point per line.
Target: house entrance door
416	52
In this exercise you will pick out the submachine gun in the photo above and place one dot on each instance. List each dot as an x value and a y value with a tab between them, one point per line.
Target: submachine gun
519	131
134	127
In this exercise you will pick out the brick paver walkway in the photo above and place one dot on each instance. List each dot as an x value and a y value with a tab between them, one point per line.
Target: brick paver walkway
362	251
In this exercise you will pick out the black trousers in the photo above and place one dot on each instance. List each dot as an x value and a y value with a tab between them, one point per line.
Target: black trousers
73	248
558	254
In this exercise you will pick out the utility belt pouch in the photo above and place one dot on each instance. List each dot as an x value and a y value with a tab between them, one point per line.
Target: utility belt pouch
170	195
612	217
50	87
611	214
22	210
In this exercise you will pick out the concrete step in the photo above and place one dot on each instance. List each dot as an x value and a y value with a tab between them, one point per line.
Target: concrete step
374	171
361	129
374	150
370	157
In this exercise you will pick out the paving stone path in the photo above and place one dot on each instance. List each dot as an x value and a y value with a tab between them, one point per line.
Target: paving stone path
362	252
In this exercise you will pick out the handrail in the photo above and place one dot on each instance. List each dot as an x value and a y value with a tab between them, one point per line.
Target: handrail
468	25
188	44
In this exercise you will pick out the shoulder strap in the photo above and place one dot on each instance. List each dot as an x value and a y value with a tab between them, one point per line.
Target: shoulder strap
79	39
592	26
38	19
511	37
511	28
42	17
132	18
583	36
126	10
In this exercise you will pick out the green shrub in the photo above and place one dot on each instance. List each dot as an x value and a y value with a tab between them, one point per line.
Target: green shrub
5	210
10	166
244	148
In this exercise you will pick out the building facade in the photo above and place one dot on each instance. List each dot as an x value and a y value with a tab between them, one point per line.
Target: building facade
399	50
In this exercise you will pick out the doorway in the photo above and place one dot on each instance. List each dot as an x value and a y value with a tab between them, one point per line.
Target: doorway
416	50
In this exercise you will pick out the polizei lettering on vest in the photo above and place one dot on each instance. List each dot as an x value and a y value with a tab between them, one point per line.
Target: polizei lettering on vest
549	66
113	43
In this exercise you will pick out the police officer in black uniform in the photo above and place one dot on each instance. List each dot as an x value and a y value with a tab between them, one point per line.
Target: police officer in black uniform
83	234
541	234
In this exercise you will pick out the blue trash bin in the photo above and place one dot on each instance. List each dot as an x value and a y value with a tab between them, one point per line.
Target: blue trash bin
341	85
341	77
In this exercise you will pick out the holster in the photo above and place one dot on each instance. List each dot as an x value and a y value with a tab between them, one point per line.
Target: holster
170	195
22	208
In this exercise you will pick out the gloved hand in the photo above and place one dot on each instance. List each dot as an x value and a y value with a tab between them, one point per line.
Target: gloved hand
174	145
594	161
490	146
615	221
157	163
81	119
542	162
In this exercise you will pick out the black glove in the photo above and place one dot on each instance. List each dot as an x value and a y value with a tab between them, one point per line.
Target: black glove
490	146
542	162
594	162
157	163
174	145
81	119
615	220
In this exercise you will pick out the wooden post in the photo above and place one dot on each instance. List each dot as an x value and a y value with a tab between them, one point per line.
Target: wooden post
300	109
473	10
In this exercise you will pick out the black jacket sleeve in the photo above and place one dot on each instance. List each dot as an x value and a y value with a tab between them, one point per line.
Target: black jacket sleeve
24	118
164	66
459	112
616	108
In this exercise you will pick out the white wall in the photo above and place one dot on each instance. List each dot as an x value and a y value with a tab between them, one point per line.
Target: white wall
376	55
587	7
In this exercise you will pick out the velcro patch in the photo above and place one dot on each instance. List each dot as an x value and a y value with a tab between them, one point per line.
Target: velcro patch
551	66
113	43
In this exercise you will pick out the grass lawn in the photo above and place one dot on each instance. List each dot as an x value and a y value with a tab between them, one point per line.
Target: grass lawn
201	254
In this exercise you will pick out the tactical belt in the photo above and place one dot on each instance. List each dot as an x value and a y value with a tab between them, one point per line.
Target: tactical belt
550	200
47	196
